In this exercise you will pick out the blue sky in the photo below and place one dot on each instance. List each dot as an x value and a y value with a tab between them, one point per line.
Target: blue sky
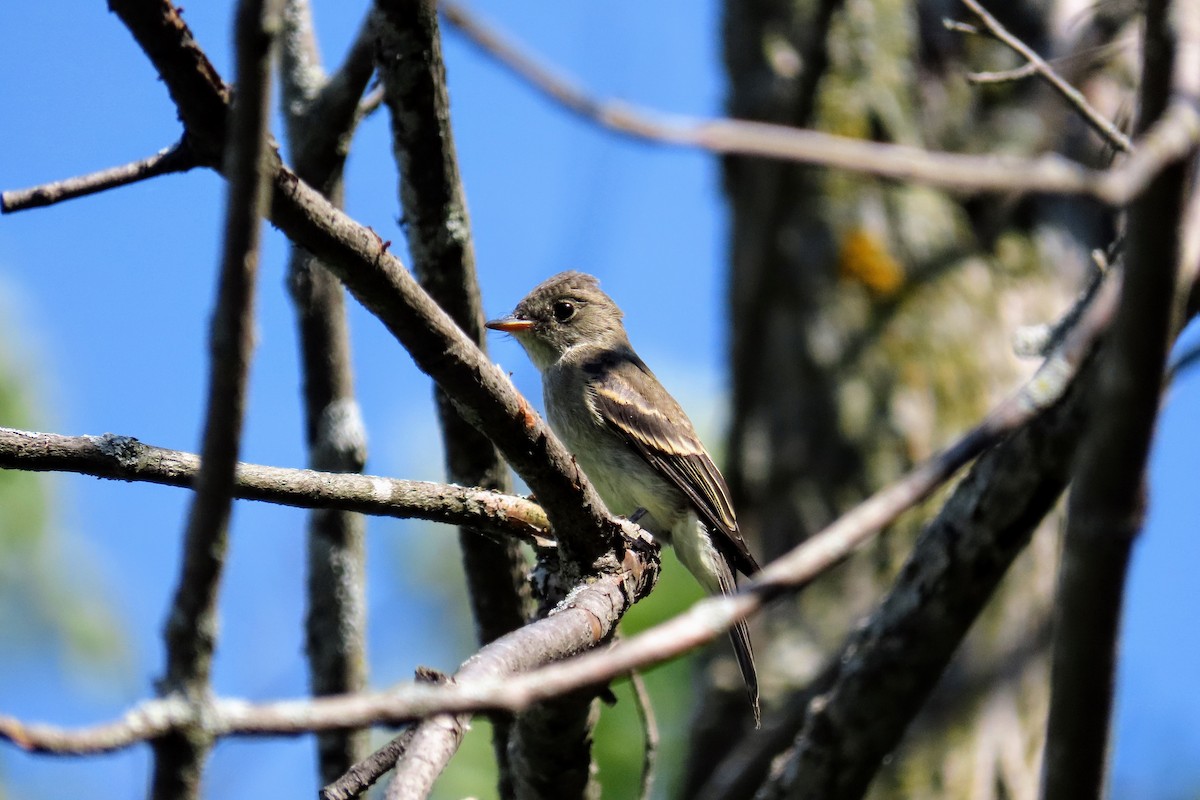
106	299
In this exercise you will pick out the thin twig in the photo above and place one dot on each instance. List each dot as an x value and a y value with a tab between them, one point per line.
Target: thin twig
176	158
420	760
645	709
191	629
1073	96
1003	76
125	458
364	774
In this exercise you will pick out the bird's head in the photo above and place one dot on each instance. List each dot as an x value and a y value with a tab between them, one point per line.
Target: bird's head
566	312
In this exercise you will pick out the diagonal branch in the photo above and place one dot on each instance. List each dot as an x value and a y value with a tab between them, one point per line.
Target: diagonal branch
1035	64
125	458
176	158
1174	135
191	628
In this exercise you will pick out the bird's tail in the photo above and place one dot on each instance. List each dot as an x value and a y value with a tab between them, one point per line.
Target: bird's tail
697	553
739	634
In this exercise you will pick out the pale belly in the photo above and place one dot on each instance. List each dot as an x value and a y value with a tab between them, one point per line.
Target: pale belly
625	482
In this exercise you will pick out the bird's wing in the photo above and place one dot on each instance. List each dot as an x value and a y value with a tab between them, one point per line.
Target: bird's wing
633	403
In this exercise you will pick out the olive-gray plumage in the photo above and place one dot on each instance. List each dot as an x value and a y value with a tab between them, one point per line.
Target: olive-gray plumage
630	437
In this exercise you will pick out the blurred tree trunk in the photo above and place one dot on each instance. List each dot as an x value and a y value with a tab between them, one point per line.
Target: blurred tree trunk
871	322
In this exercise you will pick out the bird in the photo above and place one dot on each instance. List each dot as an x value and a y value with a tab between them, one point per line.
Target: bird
632	438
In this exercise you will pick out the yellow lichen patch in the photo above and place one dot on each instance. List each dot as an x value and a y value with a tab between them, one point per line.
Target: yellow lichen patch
865	259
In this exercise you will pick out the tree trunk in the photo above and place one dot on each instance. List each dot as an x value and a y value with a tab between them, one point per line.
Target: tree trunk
871	322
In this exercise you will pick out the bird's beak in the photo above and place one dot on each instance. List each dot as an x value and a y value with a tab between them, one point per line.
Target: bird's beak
510	324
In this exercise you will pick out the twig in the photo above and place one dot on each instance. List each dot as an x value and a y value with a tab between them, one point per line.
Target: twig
413	77
1107	503
127	459
191	629
1073	96
1003	76
645	710
363	775
1174	135
176	158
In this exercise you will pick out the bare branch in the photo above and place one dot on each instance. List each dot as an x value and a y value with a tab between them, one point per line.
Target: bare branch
176	158
364	774
1174	135
201	98
191	629
512	653
125	458
1107	503
1003	76
1036	64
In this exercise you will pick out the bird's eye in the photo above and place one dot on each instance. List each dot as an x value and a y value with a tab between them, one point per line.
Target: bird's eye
564	310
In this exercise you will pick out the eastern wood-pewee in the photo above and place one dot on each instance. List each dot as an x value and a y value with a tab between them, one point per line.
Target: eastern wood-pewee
630	437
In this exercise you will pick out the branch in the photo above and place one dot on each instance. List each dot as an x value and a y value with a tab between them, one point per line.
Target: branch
191	629
1107	504
176	158
433	201
1036	64
1174	135
127	459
